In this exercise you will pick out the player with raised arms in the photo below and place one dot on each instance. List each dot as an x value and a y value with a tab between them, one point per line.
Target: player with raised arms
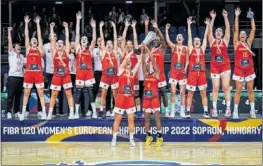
244	65
151	102
179	64
34	71
61	76
197	74
125	98
220	62
109	66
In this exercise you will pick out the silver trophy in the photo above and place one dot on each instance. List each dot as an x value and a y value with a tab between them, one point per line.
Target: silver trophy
148	39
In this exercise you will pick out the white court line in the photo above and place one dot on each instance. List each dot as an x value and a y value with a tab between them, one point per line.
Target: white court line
141	152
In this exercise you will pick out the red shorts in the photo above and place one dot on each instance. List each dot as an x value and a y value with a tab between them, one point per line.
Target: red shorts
178	77
151	104
107	81
219	70
162	80
85	78
33	77
58	81
124	103
196	79
246	74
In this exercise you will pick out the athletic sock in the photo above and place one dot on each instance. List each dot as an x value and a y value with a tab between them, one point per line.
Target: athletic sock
182	108
172	107
77	108
50	111
188	109
102	108
228	104
93	106
252	106
115	135
24	110
205	108
44	110
131	136
236	107
215	106
71	110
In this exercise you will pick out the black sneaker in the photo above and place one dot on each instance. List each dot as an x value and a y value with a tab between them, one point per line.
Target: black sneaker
206	115
101	115
187	115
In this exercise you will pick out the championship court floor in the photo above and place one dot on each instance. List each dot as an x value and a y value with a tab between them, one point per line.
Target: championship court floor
101	153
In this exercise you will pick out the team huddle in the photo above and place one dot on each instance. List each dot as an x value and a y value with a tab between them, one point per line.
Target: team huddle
122	61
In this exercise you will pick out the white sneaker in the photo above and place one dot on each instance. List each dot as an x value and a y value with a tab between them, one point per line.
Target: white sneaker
206	115
21	117
253	114
76	116
188	115
182	114
113	142
71	116
172	115
167	115
26	114
9	115
214	113
39	115
17	115
88	114
112	114
235	115
132	143
94	115
108	114
49	117
228	112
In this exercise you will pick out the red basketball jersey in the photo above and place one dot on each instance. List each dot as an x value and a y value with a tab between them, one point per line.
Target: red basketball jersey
33	60
219	53
195	63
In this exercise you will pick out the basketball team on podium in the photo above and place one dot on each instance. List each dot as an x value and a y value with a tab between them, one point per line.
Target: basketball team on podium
123	62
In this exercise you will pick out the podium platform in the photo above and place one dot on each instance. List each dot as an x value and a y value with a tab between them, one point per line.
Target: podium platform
100	130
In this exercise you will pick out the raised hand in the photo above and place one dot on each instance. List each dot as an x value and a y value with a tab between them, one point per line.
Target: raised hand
154	23
146	21
65	24
127	23
10	29
207	21
78	15
27	19
101	24
189	20
52	25
237	11
213	14
167	26
113	24
134	23
37	19
224	12
93	23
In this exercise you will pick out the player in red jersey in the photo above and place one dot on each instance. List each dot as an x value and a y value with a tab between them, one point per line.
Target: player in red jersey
220	62
197	74
158	47
151	102
125	98
244	65
60	54
129	46
179	64
34	71
109	66
84	72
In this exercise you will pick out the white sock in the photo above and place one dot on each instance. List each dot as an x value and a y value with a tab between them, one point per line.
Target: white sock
182	108
77	108
101	108
228	104
172	107
138	108
252	106
188	109
24	110
50	111
93	106
215	105
115	135
236	107
205	108
71	110
44	110
166	109
131	136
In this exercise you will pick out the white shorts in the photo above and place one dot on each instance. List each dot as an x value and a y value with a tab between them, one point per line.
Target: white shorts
213	75
106	86
193	88
121	111
58	87
175	82
87	83
149	110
